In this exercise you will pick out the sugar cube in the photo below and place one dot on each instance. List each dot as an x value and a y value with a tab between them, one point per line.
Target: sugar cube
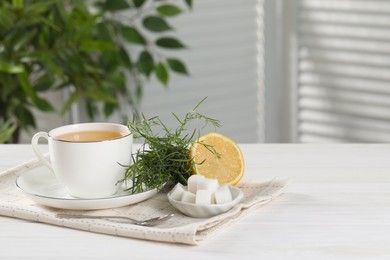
203	197
223	195
188	197
177	191
208	184
193	181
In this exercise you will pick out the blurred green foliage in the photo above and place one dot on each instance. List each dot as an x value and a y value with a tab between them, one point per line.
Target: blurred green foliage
102	51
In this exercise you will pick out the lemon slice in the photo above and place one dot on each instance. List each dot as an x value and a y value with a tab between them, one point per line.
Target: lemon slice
226	165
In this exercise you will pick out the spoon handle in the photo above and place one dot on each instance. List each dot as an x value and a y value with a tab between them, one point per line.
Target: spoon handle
71	216
146	222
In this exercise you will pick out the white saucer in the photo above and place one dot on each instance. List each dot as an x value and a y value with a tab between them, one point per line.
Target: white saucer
42	186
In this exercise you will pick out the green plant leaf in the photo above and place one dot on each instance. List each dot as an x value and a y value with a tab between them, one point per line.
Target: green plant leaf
189	3
49	23
162	73
109	109
96	45
70	101
131	35
41	103
138	3
24	39
139	92
24	116
38	8
7	18
156	24
170	43
100	95
115	5
125	58
26	86
105	31
6	130
177	66
7	86
44	83
17	3
109	60
145	63
11	68
50	64
168	10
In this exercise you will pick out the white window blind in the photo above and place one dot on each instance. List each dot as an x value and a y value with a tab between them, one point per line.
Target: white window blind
343	71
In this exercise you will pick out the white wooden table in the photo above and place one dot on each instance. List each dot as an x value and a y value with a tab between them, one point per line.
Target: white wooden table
337	206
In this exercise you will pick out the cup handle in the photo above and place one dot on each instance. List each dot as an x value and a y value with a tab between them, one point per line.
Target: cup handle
38	153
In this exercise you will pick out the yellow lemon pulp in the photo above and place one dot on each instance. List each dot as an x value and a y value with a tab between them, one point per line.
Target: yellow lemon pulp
227	166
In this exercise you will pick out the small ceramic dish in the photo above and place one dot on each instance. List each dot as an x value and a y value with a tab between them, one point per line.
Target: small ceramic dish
206	211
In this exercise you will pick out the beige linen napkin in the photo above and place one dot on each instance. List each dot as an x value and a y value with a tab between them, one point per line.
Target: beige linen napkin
179	229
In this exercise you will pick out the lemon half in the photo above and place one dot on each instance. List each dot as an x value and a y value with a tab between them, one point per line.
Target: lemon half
226	165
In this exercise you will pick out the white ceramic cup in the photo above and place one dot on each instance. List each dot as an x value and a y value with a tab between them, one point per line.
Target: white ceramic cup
87	169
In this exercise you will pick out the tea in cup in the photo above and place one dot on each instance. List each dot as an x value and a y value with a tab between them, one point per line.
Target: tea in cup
88	159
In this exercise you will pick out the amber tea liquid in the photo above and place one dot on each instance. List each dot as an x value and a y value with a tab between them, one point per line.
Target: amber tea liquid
89	136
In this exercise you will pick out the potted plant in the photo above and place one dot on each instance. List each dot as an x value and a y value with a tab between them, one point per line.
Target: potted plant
100	50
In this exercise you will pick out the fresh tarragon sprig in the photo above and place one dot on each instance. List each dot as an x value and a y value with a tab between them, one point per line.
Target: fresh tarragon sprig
163	159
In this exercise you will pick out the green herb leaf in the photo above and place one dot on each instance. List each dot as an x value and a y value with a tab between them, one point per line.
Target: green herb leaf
156	24
162	73
177	66
163	158
131	35
169	43
168	10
